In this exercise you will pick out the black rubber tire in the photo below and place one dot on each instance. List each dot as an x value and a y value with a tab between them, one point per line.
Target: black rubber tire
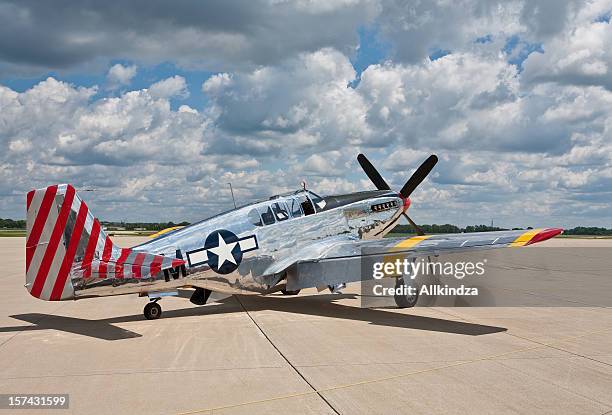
152	311
289	292
404	301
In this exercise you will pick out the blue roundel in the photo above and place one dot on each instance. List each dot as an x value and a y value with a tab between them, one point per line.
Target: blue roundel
223	249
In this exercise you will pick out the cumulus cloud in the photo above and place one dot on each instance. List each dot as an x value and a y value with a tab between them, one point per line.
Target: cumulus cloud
495	139
524	143
211	35
496	136
170	87
448	103
56	132
119	75
71	129
301	104
231	35
580	56
417	28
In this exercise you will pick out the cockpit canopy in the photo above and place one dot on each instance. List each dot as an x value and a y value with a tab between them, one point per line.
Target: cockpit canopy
286	206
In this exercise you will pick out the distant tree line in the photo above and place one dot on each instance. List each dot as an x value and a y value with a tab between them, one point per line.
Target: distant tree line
447	228
429	229
148	226
12	224
582	230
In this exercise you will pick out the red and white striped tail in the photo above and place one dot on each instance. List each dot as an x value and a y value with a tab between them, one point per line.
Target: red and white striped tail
65	241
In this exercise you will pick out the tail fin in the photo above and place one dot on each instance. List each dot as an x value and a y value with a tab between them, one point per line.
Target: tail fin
66	243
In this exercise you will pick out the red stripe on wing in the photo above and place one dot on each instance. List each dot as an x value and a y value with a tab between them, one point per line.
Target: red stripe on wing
544	235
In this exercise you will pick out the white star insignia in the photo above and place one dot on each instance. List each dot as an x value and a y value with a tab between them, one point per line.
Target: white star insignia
224	252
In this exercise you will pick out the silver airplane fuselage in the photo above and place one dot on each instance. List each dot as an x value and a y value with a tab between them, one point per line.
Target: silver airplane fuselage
245	250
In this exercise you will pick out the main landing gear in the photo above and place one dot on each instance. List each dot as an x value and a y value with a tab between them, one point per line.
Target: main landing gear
152	311
406	298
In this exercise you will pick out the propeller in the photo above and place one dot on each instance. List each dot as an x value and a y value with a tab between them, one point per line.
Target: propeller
419	175
372	173
413	182
416	227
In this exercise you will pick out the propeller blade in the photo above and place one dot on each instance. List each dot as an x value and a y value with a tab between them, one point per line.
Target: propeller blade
416	227
372	173
419	175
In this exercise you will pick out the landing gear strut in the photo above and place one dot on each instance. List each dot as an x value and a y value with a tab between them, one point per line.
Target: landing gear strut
152	311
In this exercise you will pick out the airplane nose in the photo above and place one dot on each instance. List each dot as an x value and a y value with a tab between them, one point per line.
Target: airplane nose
406	202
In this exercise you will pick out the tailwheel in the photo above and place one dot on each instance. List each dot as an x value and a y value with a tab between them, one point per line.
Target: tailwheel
408	298
152	311
290	292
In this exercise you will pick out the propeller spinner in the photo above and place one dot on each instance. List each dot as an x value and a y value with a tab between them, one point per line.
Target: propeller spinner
413	182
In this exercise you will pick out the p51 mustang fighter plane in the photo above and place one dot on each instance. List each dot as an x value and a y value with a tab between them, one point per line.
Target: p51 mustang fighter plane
285	243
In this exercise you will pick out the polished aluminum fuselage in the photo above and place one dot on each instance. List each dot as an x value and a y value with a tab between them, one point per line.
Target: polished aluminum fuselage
368	215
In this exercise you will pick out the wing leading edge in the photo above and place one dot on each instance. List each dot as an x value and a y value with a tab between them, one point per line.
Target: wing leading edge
338	260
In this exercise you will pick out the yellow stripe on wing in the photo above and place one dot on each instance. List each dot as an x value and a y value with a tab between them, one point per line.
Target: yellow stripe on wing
163	231
406	243
410	242
526	237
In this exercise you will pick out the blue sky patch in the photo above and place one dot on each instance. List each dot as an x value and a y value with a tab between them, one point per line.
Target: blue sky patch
372	50
604	18
145	76
484	39
436	54
518	50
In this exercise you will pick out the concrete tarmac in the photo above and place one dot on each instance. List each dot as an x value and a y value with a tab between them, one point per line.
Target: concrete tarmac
314	353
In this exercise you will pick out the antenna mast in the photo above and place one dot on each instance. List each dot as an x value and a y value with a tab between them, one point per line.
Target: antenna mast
232	191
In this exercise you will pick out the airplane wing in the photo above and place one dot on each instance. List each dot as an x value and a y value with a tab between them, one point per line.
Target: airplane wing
338	260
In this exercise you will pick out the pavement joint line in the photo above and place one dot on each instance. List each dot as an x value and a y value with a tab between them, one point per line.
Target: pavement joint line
538	295
284	357
568	390
537	342
563	350
178	370
140	372
408	362
392	377
551	346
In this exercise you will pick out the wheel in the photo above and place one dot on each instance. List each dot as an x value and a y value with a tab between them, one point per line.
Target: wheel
289	292
152	311
405	300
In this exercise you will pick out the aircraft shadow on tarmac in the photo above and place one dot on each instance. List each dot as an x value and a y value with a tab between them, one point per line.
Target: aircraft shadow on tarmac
316	305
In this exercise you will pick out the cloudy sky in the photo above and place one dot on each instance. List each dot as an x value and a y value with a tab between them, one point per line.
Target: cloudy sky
158	105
